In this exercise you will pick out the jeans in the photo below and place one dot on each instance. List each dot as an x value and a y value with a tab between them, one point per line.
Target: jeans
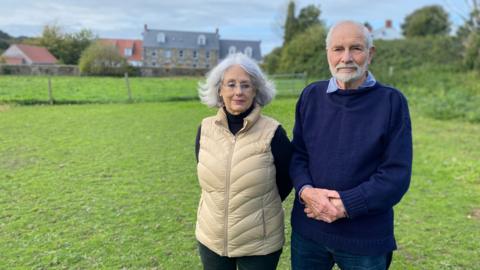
310	255
213	261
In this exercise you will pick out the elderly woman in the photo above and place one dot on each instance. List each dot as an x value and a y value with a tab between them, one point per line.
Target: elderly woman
243	160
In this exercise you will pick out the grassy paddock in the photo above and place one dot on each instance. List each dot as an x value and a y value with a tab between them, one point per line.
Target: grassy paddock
78	90
114	186
72	90
435	91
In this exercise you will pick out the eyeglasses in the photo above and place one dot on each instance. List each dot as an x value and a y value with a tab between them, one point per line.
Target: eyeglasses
244	87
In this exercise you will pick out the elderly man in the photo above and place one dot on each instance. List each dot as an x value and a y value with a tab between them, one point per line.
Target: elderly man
352	160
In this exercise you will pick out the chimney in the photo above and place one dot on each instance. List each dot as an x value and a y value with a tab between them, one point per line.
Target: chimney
388	24
145	27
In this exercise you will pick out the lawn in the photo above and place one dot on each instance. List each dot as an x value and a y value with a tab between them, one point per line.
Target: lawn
114	186
79	90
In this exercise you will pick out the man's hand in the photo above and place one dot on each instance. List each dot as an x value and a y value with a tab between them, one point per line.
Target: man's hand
323	204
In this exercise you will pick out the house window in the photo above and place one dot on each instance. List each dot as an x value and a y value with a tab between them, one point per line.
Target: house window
128	52
195	54
202	40
248	51
232	50
194	65
207	54
168	54
161	38
154	53
180	53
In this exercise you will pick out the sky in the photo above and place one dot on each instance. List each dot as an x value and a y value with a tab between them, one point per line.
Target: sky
246	19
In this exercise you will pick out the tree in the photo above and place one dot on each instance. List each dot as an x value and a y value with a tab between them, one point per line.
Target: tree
74	44
101	59
469	34
308	16
272	60
307	21
471	20
66	47
4	40
306	52
426	21
4	35
291	23
471	56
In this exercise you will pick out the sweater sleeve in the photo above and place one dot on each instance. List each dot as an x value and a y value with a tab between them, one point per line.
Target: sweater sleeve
299	171
388	184
197	142
282	153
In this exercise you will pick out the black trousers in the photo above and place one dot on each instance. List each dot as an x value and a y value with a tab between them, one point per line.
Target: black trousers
213	261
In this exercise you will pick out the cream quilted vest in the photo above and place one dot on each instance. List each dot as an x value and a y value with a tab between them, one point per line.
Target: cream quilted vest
240	212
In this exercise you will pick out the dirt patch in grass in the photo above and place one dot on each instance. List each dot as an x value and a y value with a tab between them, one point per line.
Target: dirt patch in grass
476	213
4	107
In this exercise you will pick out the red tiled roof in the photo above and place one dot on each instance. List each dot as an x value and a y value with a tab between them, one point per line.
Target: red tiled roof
122	44
38	55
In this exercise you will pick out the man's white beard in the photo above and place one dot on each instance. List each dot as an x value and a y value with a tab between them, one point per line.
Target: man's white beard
349	77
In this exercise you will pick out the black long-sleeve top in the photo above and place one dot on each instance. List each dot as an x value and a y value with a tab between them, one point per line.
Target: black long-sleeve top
280	146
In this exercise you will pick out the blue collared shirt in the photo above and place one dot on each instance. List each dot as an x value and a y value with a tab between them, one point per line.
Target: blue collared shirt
369	82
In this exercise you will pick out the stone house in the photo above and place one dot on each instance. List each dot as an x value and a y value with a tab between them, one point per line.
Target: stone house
182	49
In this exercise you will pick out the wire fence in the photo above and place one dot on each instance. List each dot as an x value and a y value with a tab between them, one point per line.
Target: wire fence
28	90
289	84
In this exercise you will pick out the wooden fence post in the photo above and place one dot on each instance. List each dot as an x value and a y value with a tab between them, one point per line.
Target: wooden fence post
390	71
50	95
127	82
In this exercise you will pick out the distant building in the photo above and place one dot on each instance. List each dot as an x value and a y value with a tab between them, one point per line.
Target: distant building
21	54
131	49
167	48
247	47
387	32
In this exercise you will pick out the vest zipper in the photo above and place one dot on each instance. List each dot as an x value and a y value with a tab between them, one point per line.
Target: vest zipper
227	193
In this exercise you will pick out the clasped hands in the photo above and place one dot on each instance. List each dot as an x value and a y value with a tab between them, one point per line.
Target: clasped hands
323	204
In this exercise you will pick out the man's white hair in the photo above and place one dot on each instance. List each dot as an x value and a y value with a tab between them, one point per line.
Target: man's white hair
366	33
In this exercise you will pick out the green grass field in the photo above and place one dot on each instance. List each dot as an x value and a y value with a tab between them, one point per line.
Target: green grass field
28	90
114	186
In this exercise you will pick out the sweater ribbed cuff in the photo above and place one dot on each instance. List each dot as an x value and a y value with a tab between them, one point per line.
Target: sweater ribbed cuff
354	202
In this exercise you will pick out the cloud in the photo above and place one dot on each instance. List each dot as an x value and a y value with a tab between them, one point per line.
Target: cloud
248	19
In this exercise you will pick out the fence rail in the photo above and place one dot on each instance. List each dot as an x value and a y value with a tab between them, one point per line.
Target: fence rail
289	84
51	89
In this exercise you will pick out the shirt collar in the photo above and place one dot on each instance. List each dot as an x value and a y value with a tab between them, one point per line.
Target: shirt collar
369	82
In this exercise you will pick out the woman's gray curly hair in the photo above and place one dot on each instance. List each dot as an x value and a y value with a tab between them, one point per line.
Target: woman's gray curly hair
208	91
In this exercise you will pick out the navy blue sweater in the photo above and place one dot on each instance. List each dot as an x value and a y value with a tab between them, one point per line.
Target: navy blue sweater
359	143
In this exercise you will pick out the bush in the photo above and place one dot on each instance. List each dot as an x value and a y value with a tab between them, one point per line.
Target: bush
429	20
403	54
306	53
440	93
100	59
472	51
272	60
